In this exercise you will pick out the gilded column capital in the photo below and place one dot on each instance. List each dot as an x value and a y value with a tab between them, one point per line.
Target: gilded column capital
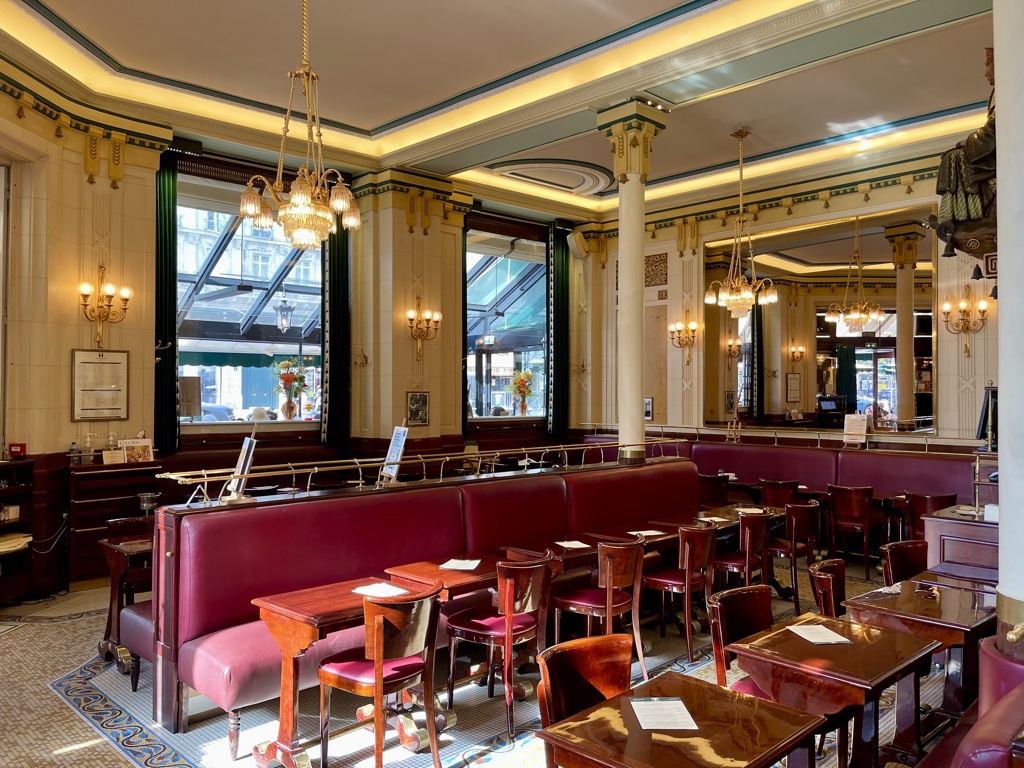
904	238
631	128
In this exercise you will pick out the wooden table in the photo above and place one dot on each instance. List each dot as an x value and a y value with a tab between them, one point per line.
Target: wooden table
938	578
563	558
297	620
418	576
123	555
733	729
956	618
825	679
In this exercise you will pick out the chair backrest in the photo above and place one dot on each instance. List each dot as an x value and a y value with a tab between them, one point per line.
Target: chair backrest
800	521
921	504
753	532
578	674
735	614
401	626
851	502
130	526
696	546
903	560
714	490
778	493
828	583
523	586
619	563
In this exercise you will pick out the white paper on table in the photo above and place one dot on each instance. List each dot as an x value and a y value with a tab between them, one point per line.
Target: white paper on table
380	589
716	519
663	714
459	565
647	533
572	544
818	634
750	510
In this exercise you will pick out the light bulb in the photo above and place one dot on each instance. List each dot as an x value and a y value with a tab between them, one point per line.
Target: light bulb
693	325
126	293
437	317
85	289
962	305
109	289
946	307
411	314
709	296
982	306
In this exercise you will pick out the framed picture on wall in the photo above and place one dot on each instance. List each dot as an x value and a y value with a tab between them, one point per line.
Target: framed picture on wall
792	387
648	409
417	409
730	402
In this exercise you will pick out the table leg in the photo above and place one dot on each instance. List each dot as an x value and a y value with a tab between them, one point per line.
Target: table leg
784	593
118	565
802	756
906	744
865	737
961	686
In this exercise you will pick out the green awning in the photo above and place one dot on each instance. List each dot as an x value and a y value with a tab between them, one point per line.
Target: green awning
238	359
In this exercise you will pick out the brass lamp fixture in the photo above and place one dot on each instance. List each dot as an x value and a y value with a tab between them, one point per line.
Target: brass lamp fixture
732	351
284	312
683	335
735	292
102	310
307	214
423	326
862	311
796	354
964	322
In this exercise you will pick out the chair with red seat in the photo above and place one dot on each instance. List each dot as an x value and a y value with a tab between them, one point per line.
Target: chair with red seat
828	583
921	504
750	556
799	542
714	491
520	615
696	553
398	654
852	510
903	560
619	569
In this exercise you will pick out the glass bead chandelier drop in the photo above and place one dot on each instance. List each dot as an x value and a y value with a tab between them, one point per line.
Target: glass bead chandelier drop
735	292
862	311
307	214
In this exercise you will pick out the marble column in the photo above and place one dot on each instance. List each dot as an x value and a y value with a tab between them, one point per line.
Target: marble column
904	239
631	127
1008	23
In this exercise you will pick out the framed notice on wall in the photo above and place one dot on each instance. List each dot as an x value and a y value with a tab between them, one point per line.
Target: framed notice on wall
792	387
99	385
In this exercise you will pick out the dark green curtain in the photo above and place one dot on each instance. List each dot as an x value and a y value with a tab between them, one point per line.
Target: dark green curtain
166	434
336	340
757	361
559	262
846	374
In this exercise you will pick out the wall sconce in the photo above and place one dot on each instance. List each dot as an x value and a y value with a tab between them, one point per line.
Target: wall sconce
796	354
103	310
732	351
422	326
683	336
964	323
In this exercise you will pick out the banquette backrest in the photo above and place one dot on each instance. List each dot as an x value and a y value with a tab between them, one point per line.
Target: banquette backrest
602	501
517	512
813	467
228	557
891	473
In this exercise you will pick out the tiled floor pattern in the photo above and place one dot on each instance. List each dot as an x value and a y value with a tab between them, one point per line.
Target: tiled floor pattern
55	640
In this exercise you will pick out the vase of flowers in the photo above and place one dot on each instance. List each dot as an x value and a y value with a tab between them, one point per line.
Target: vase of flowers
291	382
520	387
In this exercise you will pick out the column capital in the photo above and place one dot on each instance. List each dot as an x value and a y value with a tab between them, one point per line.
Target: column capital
630	127
904	239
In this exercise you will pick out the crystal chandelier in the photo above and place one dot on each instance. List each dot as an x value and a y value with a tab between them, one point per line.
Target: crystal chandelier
735	292
307	214
861	311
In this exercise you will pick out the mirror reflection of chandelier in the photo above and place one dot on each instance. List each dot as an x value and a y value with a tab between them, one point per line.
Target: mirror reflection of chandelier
862	311
307	215
736	293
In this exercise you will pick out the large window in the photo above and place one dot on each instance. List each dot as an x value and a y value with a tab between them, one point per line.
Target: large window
247	301
506	322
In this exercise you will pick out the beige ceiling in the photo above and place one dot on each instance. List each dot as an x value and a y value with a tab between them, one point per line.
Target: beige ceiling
514	87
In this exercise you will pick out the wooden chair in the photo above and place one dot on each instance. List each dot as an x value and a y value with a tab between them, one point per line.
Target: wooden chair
851	510
738	613
137	580
921	504
696	553
714	491
577	674
828	583
398	654
779	493
750	556
903	560
619	568
520	616
799	542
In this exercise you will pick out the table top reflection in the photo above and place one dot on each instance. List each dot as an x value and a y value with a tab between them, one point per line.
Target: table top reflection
722	517
732	729
944	606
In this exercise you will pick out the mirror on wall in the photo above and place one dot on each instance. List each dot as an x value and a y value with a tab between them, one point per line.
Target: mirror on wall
808	359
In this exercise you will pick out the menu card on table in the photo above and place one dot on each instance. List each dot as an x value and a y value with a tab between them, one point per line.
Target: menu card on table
647	533
459	565
572	544
750	510
380	589
818	634
662	714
